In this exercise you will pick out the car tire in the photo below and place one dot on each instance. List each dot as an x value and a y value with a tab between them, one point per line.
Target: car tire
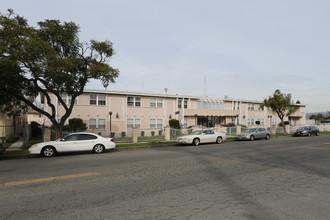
99	148
308	134
252	138
48	151
219	140
267	137
317	133
196	142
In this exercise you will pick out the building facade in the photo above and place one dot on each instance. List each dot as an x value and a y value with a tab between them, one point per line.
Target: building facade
121	111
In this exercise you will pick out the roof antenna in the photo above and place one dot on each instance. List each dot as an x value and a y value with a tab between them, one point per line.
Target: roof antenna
205	86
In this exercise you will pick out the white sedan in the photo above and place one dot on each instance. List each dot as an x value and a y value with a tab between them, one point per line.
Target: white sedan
81	141
202	136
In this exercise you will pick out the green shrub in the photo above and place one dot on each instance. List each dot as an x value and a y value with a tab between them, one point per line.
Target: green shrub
12	138
160	132
123	134
77	124
174	123
229	125
152	133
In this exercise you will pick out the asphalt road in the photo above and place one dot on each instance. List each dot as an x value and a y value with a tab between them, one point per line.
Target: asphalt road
283	178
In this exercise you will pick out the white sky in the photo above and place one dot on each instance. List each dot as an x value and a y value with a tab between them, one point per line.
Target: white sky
246	48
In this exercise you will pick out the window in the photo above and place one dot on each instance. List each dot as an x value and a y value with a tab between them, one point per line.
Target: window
274	121
101	123
235	105
97	123
260	108
92	123
183	101
97	99
250	106
208	132
67	98
156	123
87	137
73	137
262	121
133	123
133	101
156	102
250	121
233	120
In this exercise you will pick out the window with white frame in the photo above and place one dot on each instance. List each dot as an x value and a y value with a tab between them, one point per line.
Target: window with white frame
133	123
67	98
260	108
92	123
233	120
134	101
274	121
235	105
183	102
262	121
97	123
156	102
250	121
250	106
97	99
156	123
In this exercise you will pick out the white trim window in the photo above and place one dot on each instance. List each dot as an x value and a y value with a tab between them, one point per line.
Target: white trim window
262	121
260	108
134	101
156	123
96	123
183	101
250	106
235	105
97	99
250	121
156	102
274	121
133	123
67	98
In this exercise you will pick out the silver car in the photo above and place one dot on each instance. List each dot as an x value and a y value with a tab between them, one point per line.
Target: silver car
254	133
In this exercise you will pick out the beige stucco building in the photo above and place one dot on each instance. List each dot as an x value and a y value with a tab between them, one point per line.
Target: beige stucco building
151	112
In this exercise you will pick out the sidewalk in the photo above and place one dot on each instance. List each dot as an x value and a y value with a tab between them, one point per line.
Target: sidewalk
16	146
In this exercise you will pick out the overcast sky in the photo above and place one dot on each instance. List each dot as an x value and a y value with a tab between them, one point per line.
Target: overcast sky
245	49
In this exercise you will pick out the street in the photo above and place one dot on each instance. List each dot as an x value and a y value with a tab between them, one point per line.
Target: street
280	178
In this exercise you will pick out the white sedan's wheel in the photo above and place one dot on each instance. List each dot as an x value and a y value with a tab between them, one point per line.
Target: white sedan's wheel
98	148
219	140
196	142
48	151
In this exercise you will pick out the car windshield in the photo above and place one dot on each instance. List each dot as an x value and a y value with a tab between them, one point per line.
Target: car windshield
197	133
250	130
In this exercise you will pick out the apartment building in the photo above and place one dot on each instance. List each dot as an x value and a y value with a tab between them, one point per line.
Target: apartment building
120	111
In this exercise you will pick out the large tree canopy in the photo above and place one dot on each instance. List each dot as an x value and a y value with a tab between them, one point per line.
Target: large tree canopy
49	58
281	104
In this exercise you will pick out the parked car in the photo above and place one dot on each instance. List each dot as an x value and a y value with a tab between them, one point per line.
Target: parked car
202	136
307	131
81	141
254	133
2	149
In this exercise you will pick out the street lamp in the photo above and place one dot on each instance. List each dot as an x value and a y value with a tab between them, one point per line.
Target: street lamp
110	113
